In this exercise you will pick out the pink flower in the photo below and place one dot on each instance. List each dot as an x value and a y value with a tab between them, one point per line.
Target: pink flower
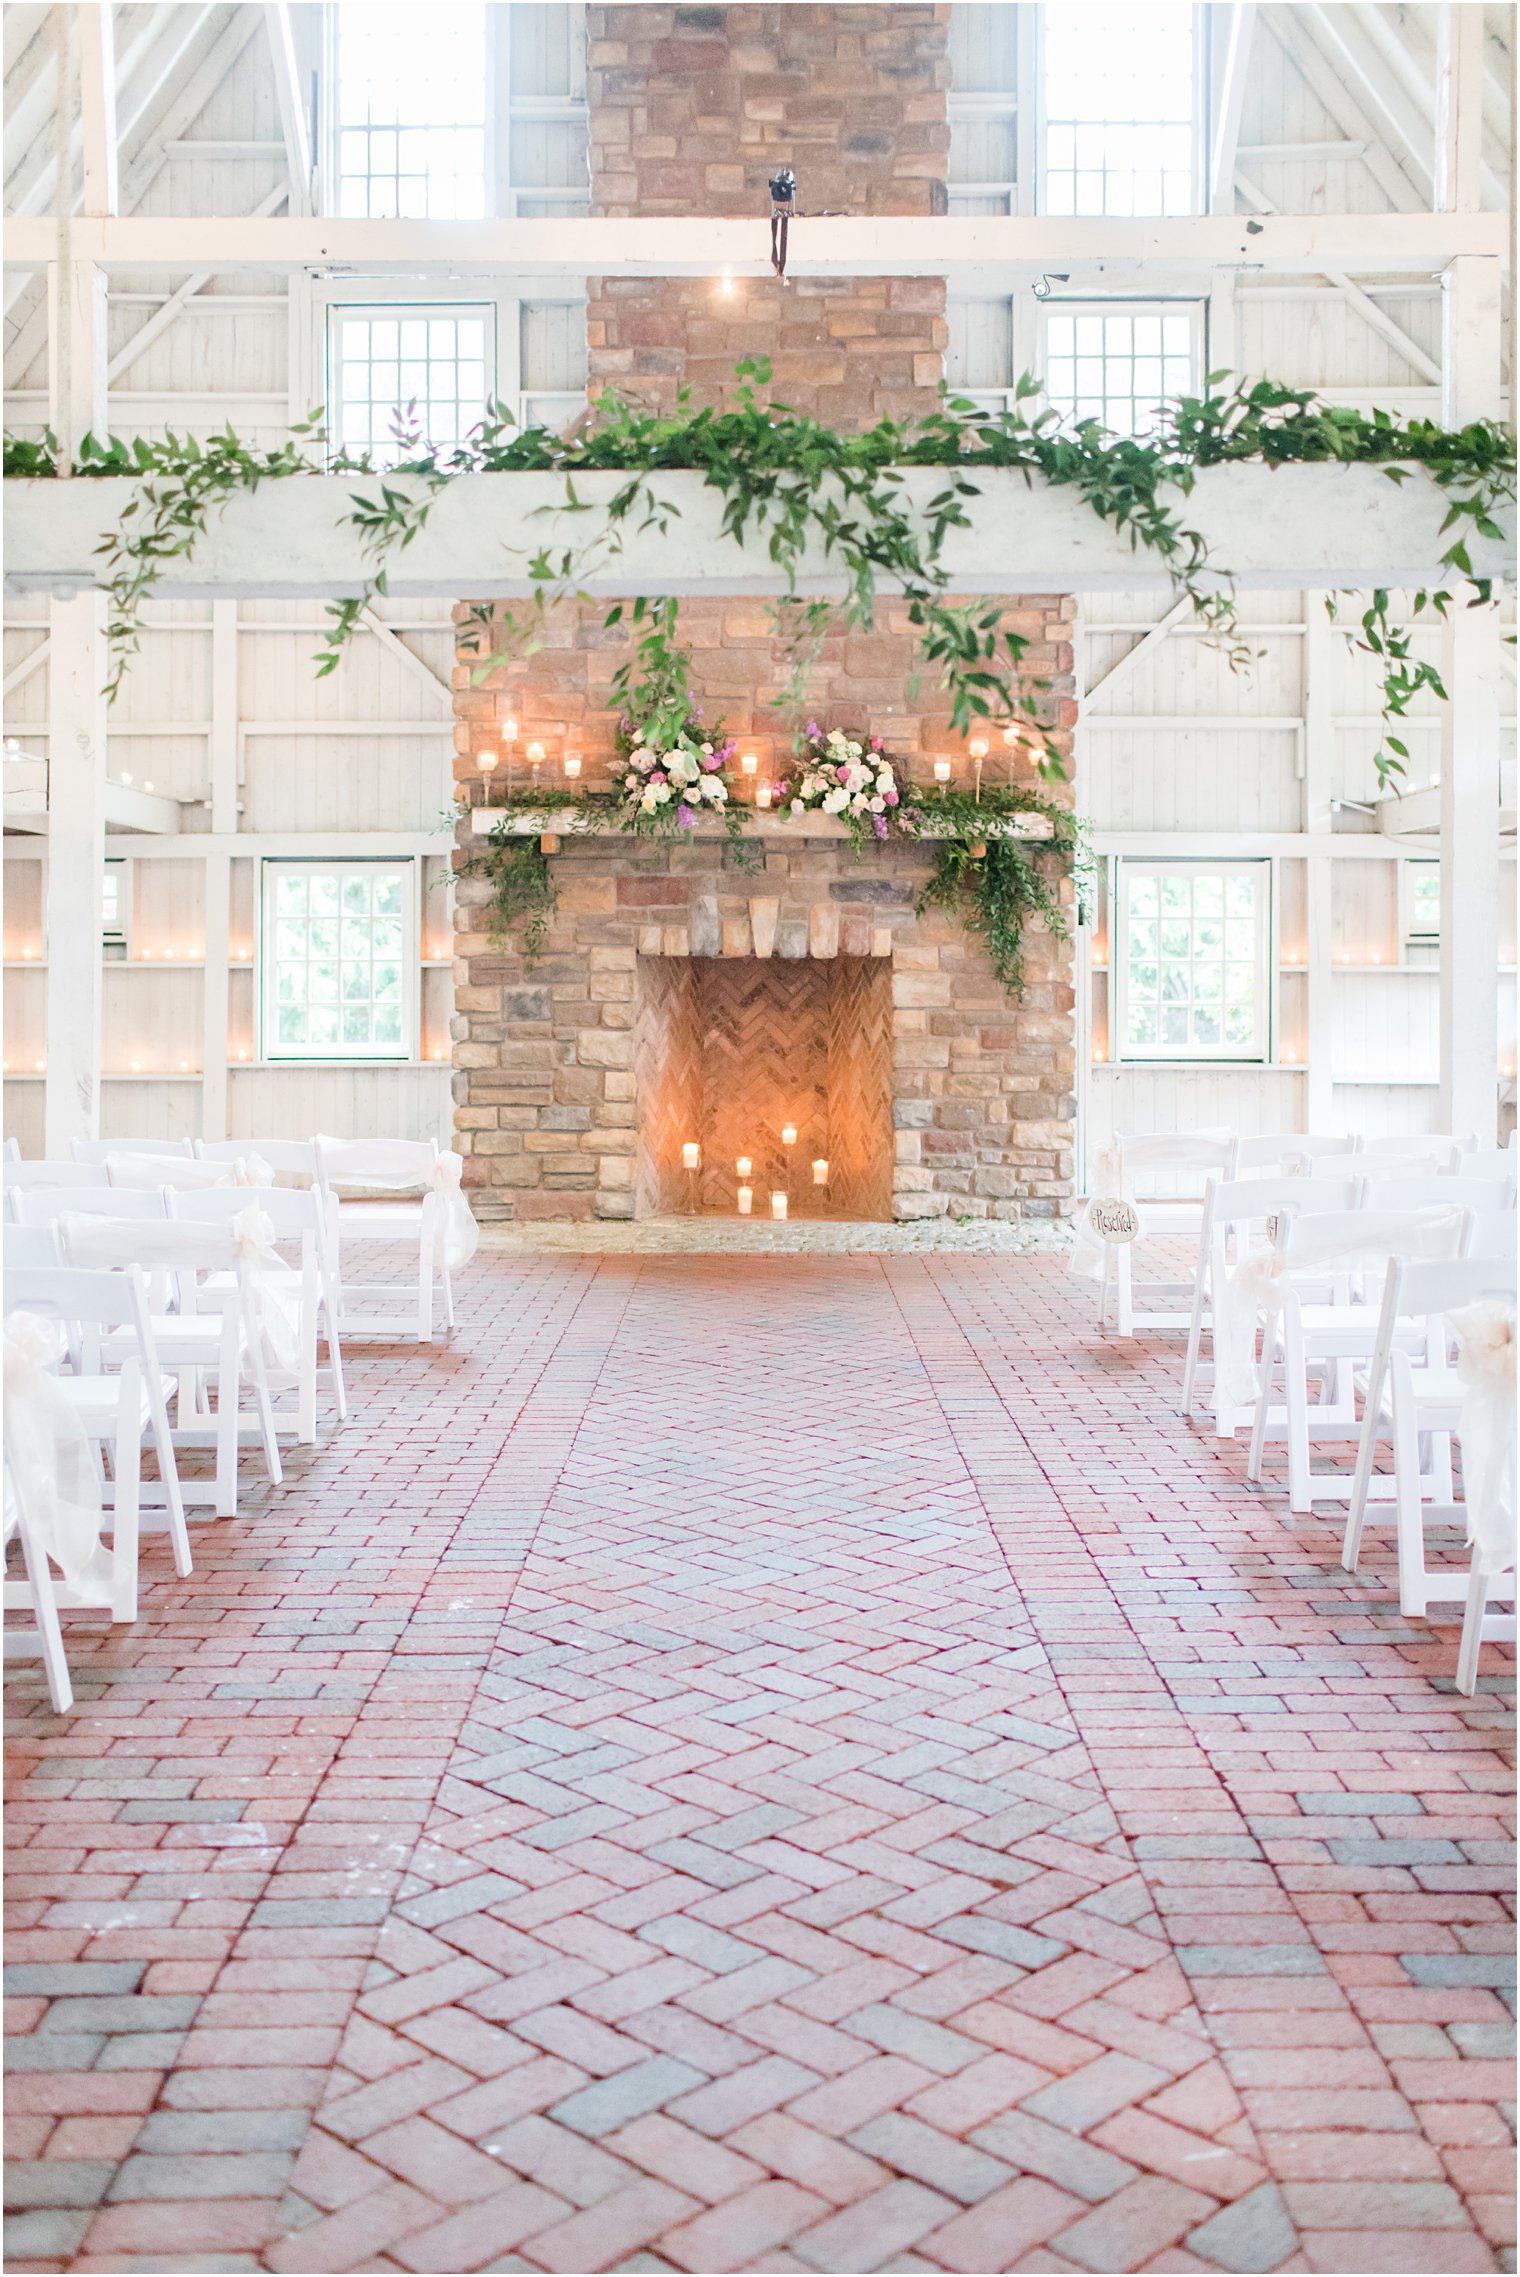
841	774
890	797
709	764
876	743
659	777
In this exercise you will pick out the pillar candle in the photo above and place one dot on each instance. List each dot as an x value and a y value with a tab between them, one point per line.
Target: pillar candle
821	1172
746	1196
778	1205
691	1155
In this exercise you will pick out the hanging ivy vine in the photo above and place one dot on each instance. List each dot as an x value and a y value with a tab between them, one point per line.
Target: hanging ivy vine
801	490
995	879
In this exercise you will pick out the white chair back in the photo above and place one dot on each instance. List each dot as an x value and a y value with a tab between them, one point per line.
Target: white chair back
84	1296
30	1247
382	1165
1492	1232
1498	1162
1241	1203
291	1211
287	1158
157	1244
98	1150
11	1150
1439	1147
1352	1240
176	1170
1274	1150
25	1177
46	1205
1433	1191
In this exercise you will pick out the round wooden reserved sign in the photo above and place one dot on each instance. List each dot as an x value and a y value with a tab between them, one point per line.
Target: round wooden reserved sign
1111	1218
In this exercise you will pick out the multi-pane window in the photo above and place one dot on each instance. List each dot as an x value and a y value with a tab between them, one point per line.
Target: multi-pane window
1121	109
411	110
464	111
430	365
340	960
1192	959
1422	901
1116	363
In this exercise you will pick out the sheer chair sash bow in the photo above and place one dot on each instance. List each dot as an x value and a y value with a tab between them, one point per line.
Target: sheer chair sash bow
1486	1368
50	1457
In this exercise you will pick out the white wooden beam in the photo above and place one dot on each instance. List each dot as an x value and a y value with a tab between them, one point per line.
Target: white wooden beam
1230	97
1328	81
1459	107
1341	35
20	673
97	105
216	993
1366	307
168	312
76	310
287	79
1295	525
1470	752
1320	643
76	855
421	671
1120	670
975	251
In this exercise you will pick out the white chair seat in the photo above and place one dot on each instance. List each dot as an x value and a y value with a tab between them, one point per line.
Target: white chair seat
183	1339
96	1402
380	1221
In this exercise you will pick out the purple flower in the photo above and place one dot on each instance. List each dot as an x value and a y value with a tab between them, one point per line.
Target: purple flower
812	727
879	825
686	818
714	761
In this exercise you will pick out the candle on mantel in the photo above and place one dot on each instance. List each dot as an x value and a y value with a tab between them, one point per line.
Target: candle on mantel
535	758
789	1134
488	764
749	763
746	1198
572	767
978	750
778	1205
744	1166
821	1171
691	1155
509	738
762	795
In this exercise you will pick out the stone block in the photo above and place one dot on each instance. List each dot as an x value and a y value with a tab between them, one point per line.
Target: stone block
792	937
675	941
823	929
737	938
605	1047
706	930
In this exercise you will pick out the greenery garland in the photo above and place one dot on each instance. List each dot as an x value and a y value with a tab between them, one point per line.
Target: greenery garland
794	484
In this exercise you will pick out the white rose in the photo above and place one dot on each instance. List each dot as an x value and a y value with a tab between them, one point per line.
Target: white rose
630	782
798	807
643	758
885	781
835	801
878	806
649	801
707	750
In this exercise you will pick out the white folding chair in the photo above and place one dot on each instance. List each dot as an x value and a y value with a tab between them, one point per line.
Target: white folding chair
1414	1399
1479	1626
30	1245
288	1158
10	1151
1491	1162
135	1172
210	1341
97	1150
1240	1216
31	1177
45	1205
407	1212
1453	1190
117	1394
1302	1335
34	1594
1440	1147
1138	1161
295	1219
1270	1152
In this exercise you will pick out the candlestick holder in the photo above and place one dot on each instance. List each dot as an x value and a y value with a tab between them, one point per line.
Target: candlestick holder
691	1162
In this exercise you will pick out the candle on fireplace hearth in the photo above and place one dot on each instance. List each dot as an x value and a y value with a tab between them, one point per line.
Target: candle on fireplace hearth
572	766
691	1155
744	1166
821	1171
762	794
778	1205
789	1134
750	762
746	1197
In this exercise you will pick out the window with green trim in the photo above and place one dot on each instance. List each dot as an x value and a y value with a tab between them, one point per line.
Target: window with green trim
339	963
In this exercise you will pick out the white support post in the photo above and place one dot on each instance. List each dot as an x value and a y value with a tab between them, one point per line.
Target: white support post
77	337
1471	667
1320	638
97	106
1459	107
223	785
75	869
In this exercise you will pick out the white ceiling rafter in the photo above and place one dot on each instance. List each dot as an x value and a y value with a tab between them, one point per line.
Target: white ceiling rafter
1229	104
287	80
170	310
390	640
1289	27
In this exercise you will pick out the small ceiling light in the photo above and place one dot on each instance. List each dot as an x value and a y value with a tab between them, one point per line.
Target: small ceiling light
126	779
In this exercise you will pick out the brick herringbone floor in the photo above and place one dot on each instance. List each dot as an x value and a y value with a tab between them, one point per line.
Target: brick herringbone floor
771	1762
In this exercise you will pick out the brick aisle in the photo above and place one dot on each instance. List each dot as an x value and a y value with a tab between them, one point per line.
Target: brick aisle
772	1762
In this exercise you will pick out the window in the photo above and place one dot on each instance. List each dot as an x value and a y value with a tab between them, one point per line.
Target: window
470	110
340	960
411	110
115	903
1422	901
388	363
1193	960
1121	110
1115	363
979	352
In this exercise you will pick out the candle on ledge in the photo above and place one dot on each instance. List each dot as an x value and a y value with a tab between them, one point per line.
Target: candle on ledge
746	1198
572	766
691	1155
744	1166
978	747
942	770
789	1134
778	1205
821	1171
749	763
762	794
488	763
535	758
509	729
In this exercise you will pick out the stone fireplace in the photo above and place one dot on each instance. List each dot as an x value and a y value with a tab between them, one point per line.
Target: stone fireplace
685	994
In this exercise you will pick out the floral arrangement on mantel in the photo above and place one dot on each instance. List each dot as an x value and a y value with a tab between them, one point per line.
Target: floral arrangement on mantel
844	775
796	485
672	777
1000	851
